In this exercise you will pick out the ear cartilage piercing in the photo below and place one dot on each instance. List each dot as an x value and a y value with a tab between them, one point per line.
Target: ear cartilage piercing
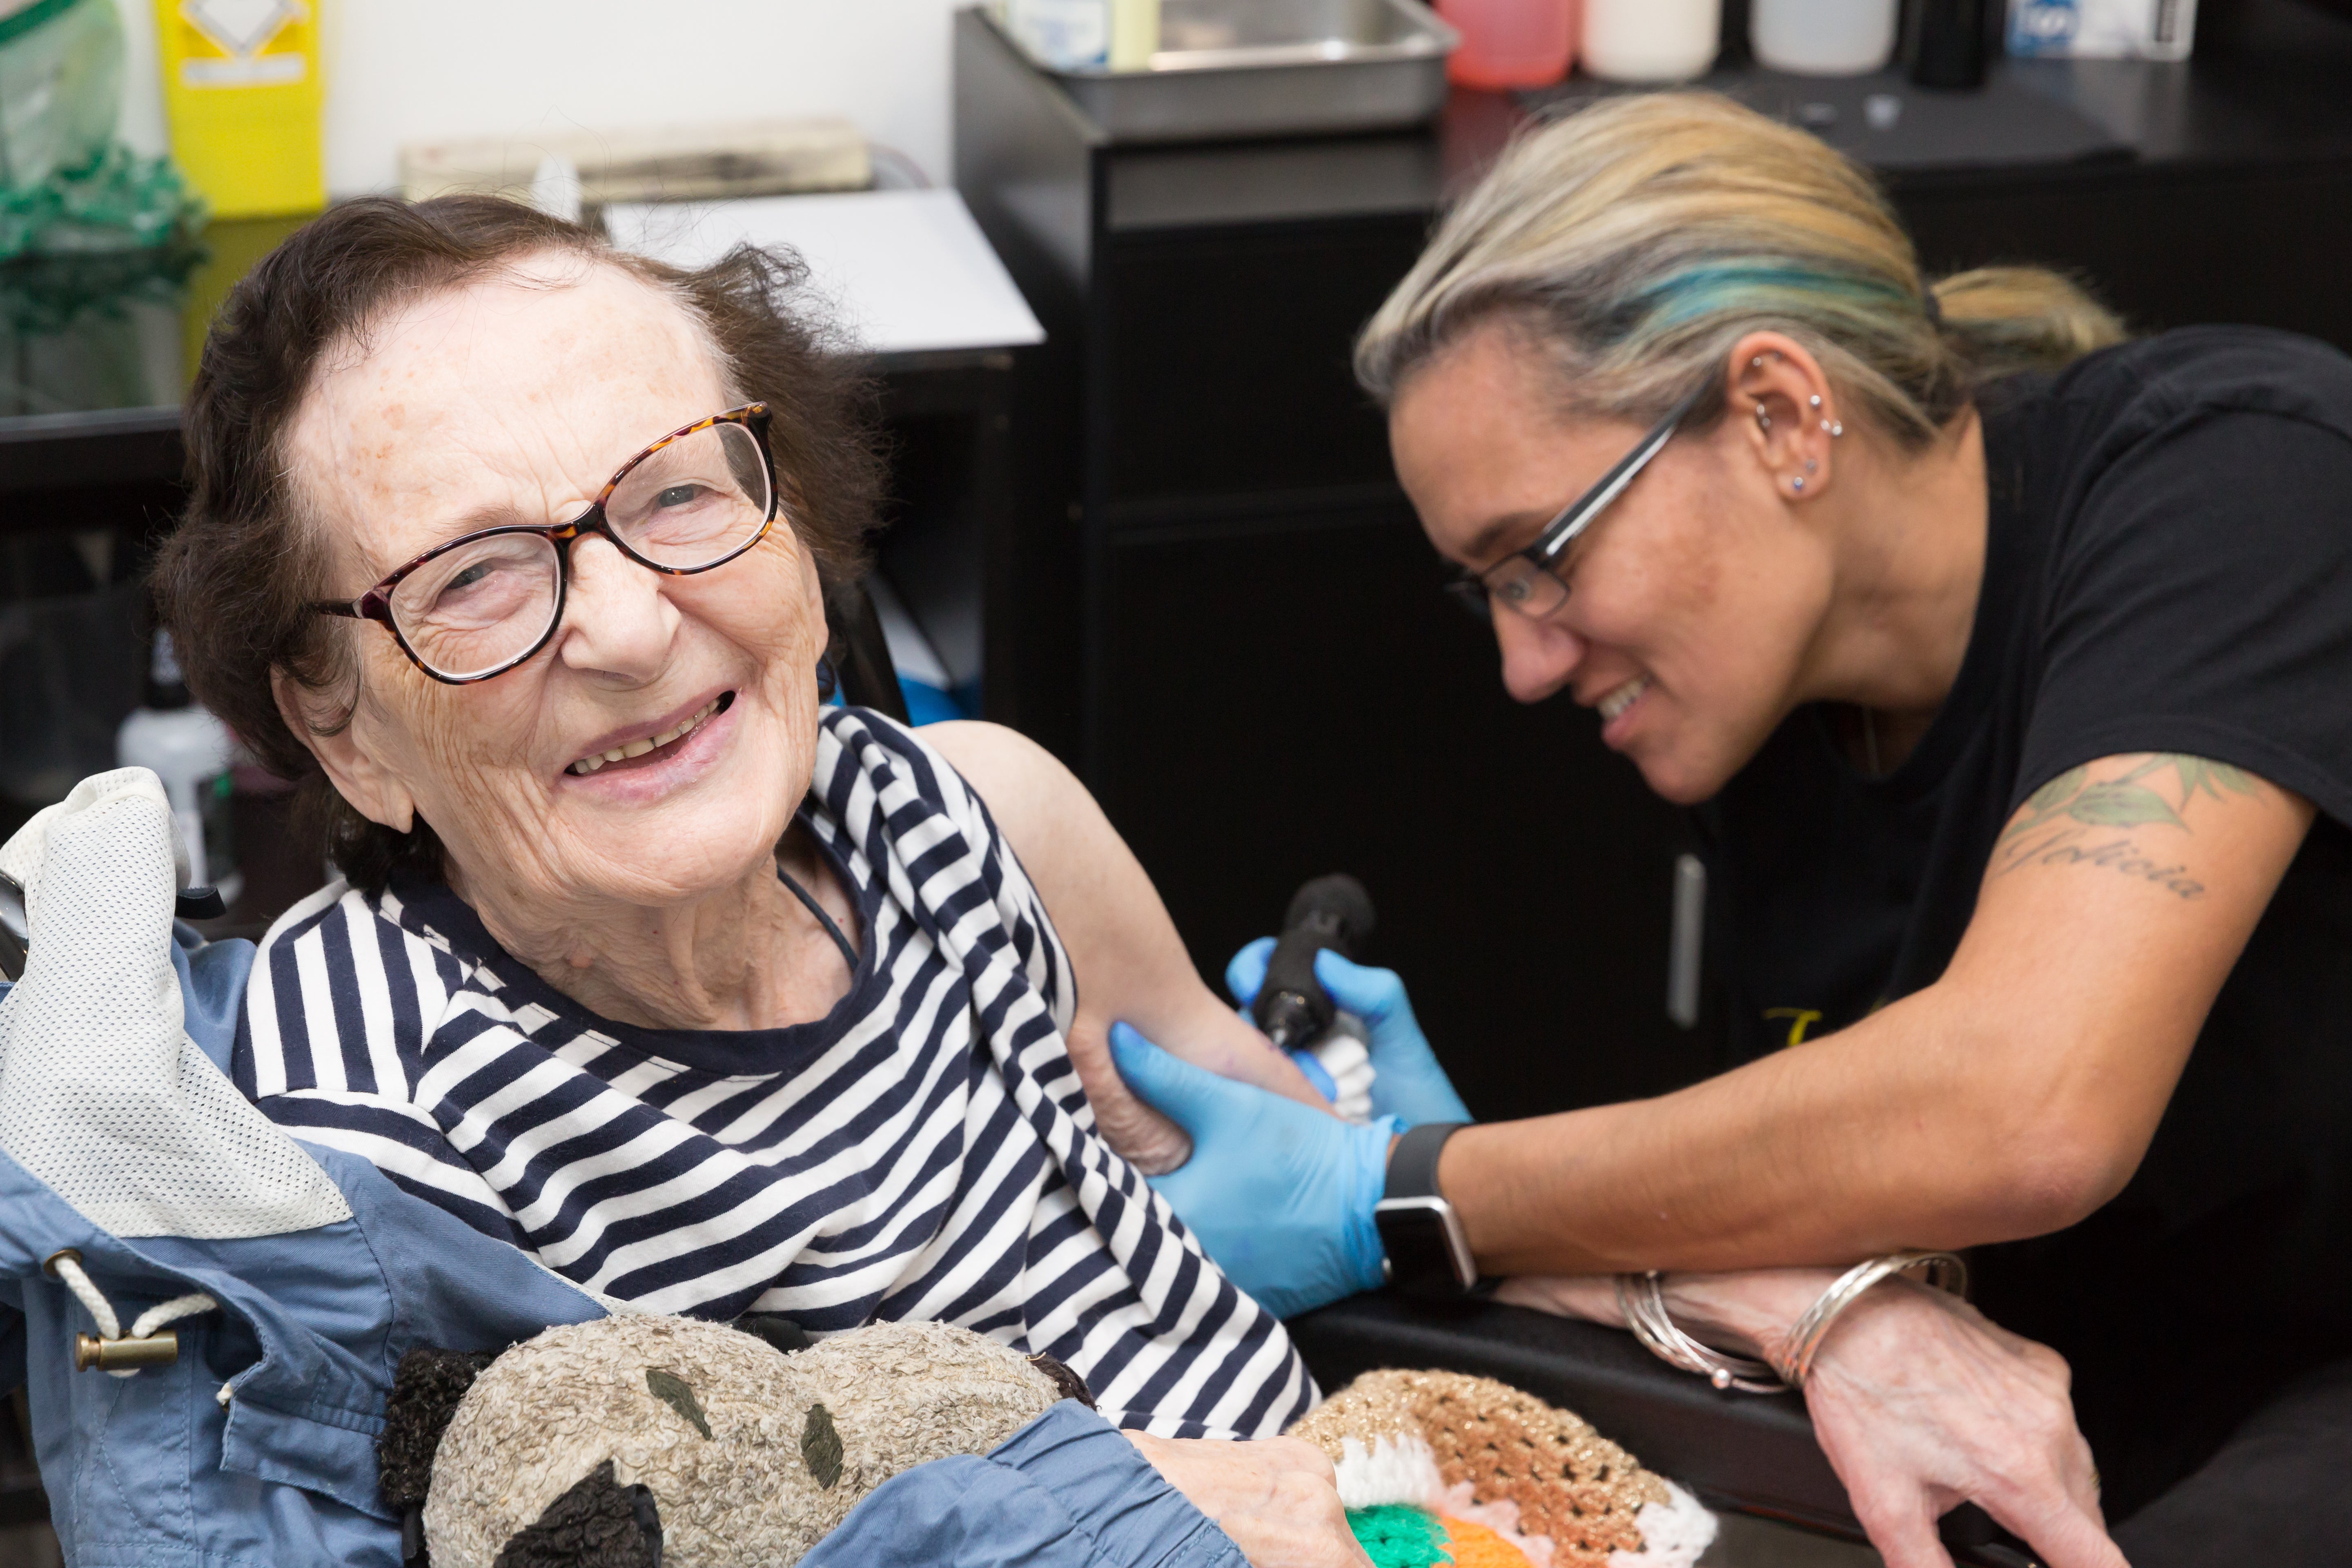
1816	400
1763	418
1836	431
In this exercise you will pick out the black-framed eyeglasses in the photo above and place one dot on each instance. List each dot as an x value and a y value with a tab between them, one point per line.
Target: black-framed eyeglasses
1529	581
483	603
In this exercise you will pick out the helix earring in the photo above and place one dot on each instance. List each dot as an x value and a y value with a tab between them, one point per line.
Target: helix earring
1816	400
1835	428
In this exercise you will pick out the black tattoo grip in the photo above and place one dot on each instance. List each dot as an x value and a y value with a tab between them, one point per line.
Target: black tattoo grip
1332	911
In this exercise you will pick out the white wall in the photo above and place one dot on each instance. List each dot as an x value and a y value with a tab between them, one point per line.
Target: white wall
422	70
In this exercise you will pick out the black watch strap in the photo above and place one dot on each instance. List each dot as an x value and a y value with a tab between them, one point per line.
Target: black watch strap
1413	1163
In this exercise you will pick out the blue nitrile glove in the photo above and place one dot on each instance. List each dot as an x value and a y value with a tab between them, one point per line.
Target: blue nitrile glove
1407	1083
1280	1194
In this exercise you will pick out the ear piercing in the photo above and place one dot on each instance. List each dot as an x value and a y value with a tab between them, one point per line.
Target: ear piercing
1763	418
1835	428
1797	483
1811	467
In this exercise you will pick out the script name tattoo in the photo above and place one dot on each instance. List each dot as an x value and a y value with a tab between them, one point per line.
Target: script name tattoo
2075	820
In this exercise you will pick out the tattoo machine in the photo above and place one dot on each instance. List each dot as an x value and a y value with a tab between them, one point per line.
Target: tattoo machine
1292	1007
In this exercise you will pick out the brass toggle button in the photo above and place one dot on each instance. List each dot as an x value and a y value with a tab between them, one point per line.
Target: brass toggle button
160	1348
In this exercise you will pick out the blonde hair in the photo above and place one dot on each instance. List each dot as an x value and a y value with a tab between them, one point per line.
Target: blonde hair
1638	240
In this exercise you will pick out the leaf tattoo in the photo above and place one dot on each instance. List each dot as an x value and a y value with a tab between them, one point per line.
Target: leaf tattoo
2057	792
2196	773
2121	804
2099	814
2126	802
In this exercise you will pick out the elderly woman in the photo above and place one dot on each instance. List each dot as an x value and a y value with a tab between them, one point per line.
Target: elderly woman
512	549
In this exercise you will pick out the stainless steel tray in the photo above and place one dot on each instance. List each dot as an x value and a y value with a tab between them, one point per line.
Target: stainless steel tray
1272	68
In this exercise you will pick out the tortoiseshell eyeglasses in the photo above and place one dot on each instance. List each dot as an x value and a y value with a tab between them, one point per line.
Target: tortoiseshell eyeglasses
483	603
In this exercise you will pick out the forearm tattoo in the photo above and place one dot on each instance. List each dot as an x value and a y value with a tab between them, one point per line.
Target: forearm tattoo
2077	820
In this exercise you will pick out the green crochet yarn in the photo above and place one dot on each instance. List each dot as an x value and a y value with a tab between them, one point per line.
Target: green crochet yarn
1396	1535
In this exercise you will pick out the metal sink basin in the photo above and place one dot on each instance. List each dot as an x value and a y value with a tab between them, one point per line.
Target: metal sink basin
1273	68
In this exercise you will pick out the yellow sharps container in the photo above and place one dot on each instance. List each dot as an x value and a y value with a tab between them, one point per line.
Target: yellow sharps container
241	84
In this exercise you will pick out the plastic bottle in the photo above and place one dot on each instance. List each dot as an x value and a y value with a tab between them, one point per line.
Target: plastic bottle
243	91
1651	40
1086	35
1822	37
191	752
1510	43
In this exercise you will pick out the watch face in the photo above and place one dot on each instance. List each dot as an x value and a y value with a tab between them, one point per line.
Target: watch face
1427	1251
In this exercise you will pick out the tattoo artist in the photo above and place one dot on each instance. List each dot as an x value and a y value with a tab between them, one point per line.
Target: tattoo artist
2007	664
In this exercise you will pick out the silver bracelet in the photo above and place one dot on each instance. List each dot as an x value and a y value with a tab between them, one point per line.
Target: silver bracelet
1946	1272
1644	1301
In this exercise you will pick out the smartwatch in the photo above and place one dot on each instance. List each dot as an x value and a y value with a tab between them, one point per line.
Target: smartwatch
1428	1251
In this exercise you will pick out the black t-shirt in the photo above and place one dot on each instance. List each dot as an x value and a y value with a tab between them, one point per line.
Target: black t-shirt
2168	568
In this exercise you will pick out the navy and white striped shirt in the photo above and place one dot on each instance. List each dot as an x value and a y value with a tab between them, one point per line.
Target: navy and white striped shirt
925	1151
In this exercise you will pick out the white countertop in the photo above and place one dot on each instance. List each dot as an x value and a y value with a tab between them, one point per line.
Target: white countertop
906	270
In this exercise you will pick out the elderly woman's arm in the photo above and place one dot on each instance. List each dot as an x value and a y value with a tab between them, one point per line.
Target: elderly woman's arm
1130	964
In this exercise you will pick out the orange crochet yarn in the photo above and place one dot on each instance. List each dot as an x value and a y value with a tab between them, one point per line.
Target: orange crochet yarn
1475	1546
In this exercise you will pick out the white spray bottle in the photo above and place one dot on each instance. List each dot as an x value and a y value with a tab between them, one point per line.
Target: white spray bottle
191	752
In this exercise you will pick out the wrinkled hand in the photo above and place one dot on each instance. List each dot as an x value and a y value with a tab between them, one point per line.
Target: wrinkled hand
1922	1403
1279	1195
1407	1083
1276	1499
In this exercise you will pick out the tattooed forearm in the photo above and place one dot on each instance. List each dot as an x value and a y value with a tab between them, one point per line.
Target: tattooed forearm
2075	819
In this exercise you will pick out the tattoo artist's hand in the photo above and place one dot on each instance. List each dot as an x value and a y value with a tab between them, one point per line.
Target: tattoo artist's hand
1276	1499
1920	1401
1407	1083
1281	1196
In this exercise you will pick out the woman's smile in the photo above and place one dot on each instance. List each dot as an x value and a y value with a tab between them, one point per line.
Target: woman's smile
1615	705
644	762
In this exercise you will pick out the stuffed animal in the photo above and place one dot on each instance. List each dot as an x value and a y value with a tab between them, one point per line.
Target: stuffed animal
628	1442
654	1442
1436	1467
